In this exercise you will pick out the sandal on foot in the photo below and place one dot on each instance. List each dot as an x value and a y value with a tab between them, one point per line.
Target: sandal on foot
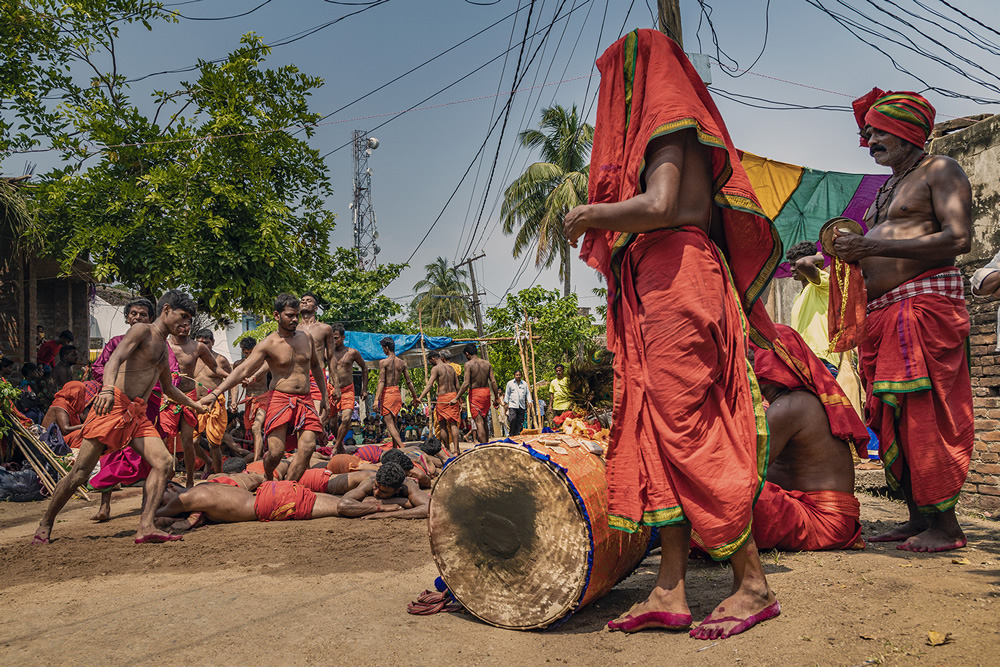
659	620
744	624
157	539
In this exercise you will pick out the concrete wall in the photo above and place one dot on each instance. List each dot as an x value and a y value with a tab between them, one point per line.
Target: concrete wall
977	149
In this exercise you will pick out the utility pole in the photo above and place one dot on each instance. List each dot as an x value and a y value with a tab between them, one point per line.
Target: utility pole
670	20
477	312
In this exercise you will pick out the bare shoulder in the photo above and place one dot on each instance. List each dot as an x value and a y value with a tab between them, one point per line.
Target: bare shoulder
943	169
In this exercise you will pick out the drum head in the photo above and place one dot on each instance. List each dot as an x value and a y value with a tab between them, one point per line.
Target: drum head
508	537
827	232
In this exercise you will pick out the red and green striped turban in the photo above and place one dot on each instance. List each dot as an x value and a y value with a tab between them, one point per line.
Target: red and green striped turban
905	114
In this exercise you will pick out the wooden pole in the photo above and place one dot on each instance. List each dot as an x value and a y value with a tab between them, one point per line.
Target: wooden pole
524	368
534	376
423	352
670	20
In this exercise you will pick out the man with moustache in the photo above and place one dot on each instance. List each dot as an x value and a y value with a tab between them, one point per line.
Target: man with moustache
914	364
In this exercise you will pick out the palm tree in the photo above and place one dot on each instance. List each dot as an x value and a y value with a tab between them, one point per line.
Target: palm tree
539	199
442	295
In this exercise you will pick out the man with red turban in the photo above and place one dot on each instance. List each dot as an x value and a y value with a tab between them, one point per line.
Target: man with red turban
914	364
677	231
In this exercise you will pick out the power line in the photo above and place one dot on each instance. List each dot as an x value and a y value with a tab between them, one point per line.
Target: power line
222	18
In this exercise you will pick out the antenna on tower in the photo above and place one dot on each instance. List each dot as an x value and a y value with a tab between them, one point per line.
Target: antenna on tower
365	232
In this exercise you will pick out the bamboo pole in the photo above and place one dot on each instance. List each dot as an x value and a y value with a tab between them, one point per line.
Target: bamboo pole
423	352
524	367
493	339
534	376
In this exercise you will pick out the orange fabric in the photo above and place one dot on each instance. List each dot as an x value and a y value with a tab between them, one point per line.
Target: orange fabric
314	392
479	401
805	520
226	480
346	398
449	411
649	89
283	501
252	405
73	399
793	365
689	438
846	324
213	423
341	463
919	394
295	410
316	479
126	421
392	401
74	439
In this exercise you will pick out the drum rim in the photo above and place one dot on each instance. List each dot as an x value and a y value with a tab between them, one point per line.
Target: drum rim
554	469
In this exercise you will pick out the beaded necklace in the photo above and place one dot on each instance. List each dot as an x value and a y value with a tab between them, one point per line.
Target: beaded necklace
886	191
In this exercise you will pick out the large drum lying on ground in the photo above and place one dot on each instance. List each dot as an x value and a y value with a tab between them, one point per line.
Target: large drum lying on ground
520	534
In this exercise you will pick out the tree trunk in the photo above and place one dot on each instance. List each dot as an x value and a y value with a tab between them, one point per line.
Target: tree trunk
567	262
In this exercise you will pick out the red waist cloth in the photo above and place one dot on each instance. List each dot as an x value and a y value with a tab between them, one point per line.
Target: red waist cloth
392	401
479	402
73	399
371	453
791	364
226	480
346	398
448	411
689	441
124	467
341	463
250	409
295	410
171	414
806	520
915	371
283	501
126	420
316	479
314	392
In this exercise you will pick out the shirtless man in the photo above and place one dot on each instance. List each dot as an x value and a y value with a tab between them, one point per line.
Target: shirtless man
913	363
480	383
255	403
117	418
248	481
291	357
342	360
175	418
390	400
213	424
322	336
62	372
390	484
448	410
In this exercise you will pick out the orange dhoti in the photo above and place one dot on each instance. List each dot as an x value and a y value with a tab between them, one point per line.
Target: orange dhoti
448	411
916	375
479	402
392	401
250	412
126	421
316	479
169	422
689	442
346	398
806	520
283	501
213	423
294	410
342	463
228	481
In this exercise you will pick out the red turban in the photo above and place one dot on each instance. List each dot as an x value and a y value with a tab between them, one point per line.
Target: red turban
905	115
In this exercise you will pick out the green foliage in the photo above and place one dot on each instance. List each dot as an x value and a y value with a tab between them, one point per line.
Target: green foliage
536	203
564	333
234	219
443	295
602	309
8	396
353	296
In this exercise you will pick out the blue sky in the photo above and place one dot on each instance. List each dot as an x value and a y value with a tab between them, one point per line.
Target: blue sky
809	60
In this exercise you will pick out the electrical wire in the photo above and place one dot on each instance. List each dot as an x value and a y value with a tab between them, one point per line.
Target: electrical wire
222	18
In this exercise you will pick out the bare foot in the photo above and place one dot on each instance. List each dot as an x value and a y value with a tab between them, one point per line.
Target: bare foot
155	536
42	535
660	610
899	533
933	540
737	613
102	515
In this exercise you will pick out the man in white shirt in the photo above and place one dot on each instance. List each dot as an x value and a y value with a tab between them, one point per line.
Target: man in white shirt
516	398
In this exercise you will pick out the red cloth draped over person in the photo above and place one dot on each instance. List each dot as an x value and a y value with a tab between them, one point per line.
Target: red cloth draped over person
391	401
295	410
283	501
794	366
685	447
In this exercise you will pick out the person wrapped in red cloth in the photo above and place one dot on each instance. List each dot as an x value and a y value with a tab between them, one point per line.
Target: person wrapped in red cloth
913	363
480	382
447	408
291	359
67	408
118	416
807	503
677	231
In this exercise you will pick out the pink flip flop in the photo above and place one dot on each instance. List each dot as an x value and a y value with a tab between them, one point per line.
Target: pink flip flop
39	540
658	620
742	626
958	544
157	539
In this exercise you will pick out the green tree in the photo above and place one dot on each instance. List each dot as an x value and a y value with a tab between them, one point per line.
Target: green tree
563	333
220	199
535	204
443	295
353	296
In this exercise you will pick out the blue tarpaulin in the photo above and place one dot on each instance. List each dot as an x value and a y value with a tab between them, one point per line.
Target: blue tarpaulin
370	346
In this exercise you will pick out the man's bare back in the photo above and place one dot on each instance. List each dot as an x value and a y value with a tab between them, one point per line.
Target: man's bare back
479	373
392	369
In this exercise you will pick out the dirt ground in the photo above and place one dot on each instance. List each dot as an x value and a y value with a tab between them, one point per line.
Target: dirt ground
334	591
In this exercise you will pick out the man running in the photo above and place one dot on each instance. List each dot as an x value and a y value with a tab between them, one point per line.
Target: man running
480	382
291	357
390	399
342	360
117	418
